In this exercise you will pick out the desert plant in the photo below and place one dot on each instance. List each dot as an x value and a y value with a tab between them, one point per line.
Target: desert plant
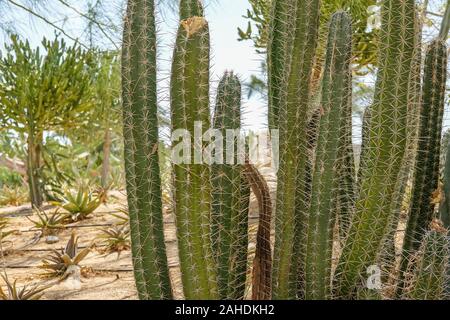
116	238
79	204
3	225
58	262
140	131
48	224
426	178
427	277
327	181
42	92
34	292
12	196
230	196
294	33
373	215
122	215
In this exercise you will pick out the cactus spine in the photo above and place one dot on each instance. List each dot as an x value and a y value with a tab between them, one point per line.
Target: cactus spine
189	97
336	109
293	87
428	278
141	157
426	178
388	136
231	195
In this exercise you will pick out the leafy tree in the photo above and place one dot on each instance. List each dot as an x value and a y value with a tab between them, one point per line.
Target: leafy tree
41	92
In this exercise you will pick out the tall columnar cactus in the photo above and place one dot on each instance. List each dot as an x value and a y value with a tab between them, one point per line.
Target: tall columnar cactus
141	151
231	194
426	178
190	8
427	277
189	98
444	207
297	23
279	38
332	141
388	137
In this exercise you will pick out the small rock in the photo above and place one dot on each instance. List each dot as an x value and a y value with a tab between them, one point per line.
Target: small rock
51	239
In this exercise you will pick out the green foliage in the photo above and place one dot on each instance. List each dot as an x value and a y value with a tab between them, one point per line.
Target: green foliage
79	203
13	196
48	224
41	92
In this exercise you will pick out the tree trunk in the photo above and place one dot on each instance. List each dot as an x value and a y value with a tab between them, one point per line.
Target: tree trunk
106	156
33	168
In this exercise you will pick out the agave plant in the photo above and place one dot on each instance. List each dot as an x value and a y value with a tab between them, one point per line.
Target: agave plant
48	224
116	238
59	262
122	215
81	203
3	226
12	196
34	292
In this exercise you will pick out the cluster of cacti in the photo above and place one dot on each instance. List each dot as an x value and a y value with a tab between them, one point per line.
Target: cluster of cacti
332	224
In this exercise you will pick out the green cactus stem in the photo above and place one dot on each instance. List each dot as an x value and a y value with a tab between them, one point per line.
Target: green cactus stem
332	141
387	136
444	207
190	8
140	132
427	277
426	177
291	98
231	194
189	98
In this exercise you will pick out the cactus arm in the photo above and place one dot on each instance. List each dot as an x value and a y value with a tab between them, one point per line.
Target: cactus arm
336	109
189	96
141	153
388	136
303	18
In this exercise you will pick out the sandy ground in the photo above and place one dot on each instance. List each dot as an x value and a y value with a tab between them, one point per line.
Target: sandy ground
104	276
